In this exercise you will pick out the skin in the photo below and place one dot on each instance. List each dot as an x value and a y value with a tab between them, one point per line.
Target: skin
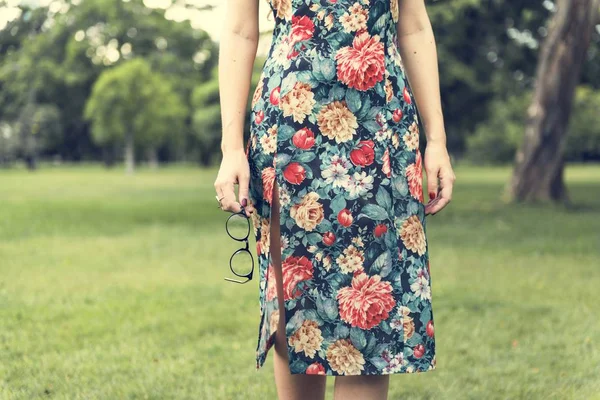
416	43
237	52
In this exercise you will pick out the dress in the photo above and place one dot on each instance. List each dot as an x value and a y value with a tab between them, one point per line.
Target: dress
334	123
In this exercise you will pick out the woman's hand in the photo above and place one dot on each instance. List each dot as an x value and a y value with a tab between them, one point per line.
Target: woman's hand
234	169
438	167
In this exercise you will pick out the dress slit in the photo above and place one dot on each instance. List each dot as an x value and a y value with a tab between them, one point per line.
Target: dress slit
281	310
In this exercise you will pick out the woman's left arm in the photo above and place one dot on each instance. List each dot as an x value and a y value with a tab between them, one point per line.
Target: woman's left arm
416	44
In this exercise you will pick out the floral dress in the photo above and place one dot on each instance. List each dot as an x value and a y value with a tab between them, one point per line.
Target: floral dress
334	123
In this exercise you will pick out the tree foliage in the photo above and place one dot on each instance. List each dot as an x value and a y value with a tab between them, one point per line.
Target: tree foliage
131	99
61	55
487	51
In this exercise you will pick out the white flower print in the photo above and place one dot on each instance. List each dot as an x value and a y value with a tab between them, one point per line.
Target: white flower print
360	184
336	174
421	288
281	52
395	364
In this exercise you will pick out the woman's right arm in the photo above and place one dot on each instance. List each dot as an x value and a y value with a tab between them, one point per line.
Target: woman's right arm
237	52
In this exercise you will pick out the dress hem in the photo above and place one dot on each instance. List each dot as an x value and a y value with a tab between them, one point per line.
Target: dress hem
260	363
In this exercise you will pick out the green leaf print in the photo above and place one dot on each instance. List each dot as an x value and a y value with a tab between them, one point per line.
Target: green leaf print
374	212
307	77
314	238
285	132
287	84
381	263
353	100
383	198
364	109
341	332
385	327
305	156
328	69
295	322
379	362
371	345
327	308
357	336
414	340
338	203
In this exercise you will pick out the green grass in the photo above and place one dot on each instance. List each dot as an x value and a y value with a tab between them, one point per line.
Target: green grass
111	287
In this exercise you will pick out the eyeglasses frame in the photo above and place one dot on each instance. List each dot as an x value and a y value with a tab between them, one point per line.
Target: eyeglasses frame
240	250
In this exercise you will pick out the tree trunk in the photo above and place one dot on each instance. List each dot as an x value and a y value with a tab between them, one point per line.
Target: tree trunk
108	156
31	162
152	158
539	165
31	151
129	153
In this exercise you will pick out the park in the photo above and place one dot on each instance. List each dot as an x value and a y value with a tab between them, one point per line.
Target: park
114	253
113	287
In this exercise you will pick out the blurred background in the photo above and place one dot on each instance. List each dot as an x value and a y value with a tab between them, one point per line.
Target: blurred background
113	252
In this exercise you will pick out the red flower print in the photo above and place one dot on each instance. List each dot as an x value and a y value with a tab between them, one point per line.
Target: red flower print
315	369
294	271
268	178
293	54
303	28
364	154
414	175
294	173
274	96
259	117
406	95
345	217
387	167
328	238
397	115
361	65
304	139
419	350
429	328
380	230
366	302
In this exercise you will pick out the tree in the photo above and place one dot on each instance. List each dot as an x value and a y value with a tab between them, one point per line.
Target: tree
486	50
37	125
62	53
132	104
539	163
206	120
583	140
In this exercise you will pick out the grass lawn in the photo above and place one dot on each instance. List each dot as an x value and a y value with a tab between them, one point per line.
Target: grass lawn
111	287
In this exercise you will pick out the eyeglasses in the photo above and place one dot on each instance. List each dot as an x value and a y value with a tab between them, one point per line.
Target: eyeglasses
241	262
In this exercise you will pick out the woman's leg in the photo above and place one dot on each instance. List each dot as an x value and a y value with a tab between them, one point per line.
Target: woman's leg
289	387
372	387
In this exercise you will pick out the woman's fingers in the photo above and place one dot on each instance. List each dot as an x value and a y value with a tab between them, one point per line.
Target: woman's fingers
432	182
445	195
441	202
243	182
430	205
227	196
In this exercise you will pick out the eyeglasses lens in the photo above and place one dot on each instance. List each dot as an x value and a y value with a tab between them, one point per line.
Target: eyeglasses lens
238	226
241	263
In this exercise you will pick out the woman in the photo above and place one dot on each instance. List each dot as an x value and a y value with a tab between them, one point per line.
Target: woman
332	179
